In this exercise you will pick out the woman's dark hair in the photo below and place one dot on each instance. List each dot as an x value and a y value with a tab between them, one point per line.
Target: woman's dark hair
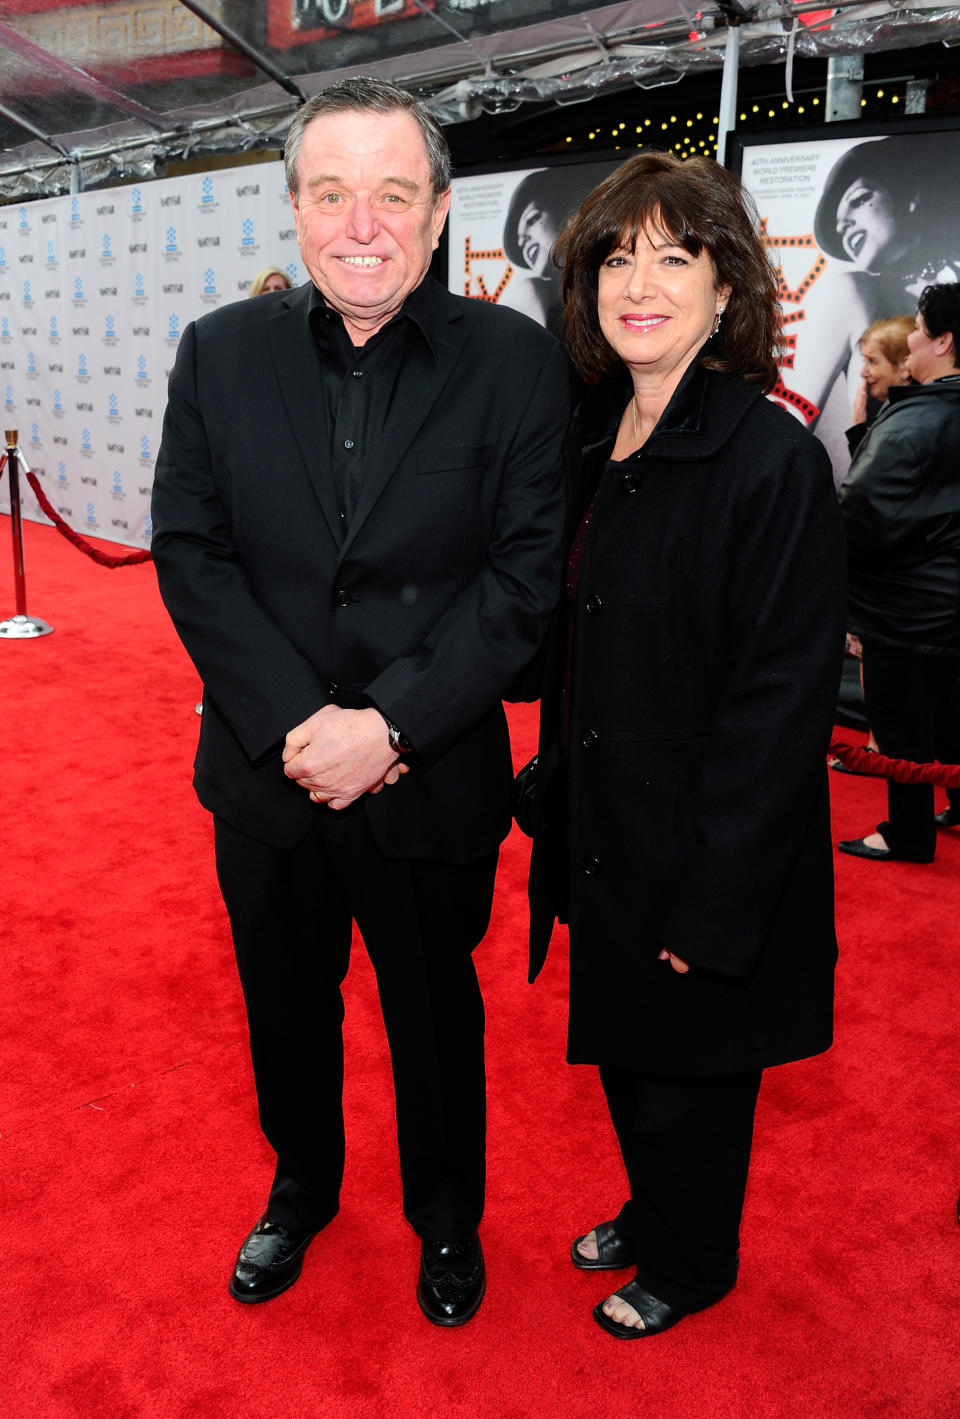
702	207
547	188
939	308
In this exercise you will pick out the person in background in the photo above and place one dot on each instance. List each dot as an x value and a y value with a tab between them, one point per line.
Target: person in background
271	278
681	820
901	512
884	350
534	216
358	521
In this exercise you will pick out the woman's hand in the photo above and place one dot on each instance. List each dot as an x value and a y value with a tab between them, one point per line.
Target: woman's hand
860	403
679	965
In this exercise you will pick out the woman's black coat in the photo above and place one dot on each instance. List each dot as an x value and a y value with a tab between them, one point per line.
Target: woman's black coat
692	809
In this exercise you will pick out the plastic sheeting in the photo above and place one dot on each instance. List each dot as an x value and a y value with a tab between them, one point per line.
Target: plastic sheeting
94	92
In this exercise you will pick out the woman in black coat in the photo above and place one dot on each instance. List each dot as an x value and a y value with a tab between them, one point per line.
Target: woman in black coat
683	820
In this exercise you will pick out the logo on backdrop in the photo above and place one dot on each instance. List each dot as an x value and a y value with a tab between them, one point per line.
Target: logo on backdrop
91	518
144	456
63	482
86	447
173	329
110	329
75	218
139	289
113	409
4	329
106	249
141	377
116	490
51	254
53	335
147	528
248	242
57	404
208	203
78	298
83	374
27	293
3	259
34	435
209	294
171	251
23	222
31	365
8	403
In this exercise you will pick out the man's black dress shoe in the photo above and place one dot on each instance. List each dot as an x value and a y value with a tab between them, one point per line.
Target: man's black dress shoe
613	1253
269	1261
948	818
857	847
656	1315
452	1280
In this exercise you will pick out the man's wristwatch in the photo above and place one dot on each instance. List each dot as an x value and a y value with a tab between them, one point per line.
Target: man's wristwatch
399	742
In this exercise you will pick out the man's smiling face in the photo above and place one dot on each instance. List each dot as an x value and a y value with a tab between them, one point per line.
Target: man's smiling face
367	217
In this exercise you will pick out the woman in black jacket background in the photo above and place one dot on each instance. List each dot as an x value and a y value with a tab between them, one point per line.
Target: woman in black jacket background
901	512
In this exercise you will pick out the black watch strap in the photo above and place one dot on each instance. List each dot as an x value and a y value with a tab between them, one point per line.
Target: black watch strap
399	742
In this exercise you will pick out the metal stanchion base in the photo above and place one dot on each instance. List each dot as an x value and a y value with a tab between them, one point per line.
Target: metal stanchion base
20	628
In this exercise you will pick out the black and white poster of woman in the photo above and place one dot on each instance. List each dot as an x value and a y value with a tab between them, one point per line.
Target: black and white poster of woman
502	227
857	227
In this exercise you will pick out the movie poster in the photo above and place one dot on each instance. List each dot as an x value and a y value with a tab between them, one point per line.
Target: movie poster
857	226
501	228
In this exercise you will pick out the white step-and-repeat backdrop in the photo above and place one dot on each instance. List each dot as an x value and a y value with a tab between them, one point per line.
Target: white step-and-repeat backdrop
95	291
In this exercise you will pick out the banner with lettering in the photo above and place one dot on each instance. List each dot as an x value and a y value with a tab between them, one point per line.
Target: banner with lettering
857	226
95	291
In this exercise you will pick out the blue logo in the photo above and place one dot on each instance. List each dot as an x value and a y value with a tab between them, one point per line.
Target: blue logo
207	190
35	434
171	239
78	288
51	259
91	518
139	288
61	472
111	327
173	330
3	258
8	396
24	224
148	526
27	293
106	254
74	209
141	367
4	327
82	370
117	481
57	402
113	407
136	202
31	363
292	272
145	448
85	445
54	328
247	239
209	282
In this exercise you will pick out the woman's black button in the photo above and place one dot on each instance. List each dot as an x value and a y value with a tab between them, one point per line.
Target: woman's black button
590	739
343	597
591	866
593	606
631	482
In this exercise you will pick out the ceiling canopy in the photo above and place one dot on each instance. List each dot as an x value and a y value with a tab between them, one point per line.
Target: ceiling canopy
94	92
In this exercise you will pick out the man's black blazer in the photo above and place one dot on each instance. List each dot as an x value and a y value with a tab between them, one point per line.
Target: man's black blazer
429	607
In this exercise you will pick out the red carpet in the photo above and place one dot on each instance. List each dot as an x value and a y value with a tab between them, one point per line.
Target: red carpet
132	1165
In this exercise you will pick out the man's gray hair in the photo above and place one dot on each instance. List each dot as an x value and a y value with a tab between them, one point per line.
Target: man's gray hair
366	94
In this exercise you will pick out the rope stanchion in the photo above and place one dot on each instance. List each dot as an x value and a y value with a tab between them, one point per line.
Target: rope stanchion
20	626
103	559
867	761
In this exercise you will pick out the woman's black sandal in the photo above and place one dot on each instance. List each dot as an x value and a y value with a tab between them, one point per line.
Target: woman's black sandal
613	1253
656	1315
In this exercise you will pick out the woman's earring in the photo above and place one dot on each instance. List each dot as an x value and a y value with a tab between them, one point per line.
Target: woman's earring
720	310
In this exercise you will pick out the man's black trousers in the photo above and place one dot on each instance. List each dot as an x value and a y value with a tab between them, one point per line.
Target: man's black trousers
292	913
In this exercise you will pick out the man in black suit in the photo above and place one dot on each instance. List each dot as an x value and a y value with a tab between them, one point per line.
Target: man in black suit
358	527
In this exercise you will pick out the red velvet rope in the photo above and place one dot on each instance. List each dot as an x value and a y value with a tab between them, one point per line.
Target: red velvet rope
866	761
102	558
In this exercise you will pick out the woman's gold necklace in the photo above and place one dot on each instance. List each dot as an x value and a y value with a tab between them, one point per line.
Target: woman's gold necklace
636	431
